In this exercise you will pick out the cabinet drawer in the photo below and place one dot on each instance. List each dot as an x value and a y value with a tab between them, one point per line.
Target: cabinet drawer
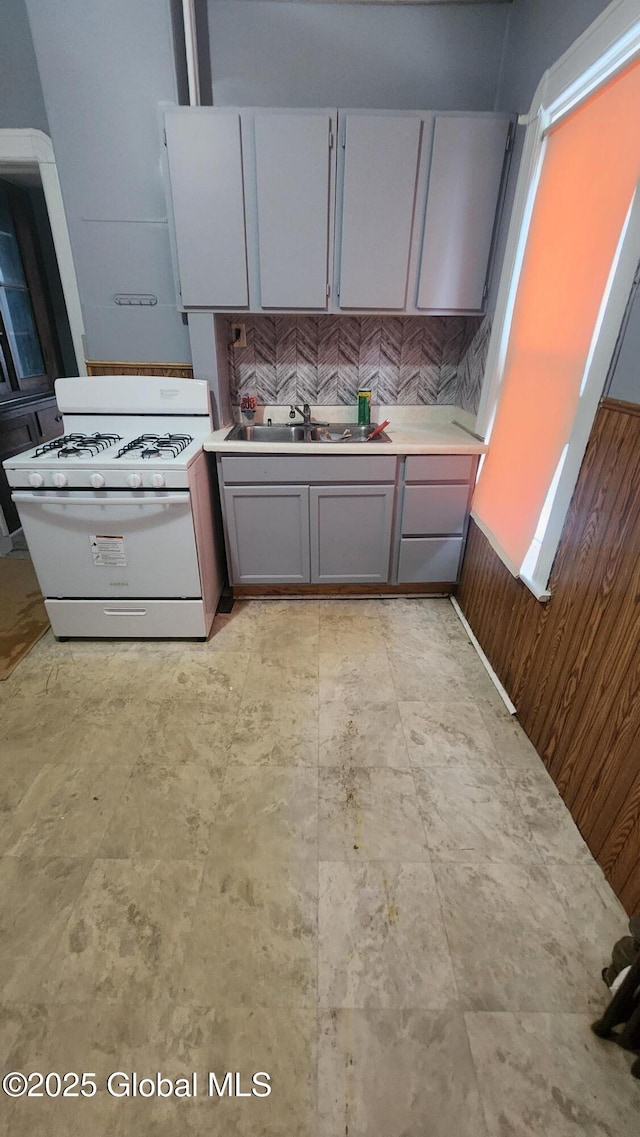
434	509
238	470
425	560
49	422
440	467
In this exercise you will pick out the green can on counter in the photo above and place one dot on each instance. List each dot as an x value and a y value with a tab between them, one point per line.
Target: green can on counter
364	408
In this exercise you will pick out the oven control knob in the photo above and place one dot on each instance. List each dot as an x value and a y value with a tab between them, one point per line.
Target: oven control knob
36	480
135	481
157	481
97	481
59	480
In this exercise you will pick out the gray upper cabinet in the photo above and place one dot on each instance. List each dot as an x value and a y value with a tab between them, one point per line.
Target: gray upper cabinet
464	185
268	213
378	176
204	152
293	207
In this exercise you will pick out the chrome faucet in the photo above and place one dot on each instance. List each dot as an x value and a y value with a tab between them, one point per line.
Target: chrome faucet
305	412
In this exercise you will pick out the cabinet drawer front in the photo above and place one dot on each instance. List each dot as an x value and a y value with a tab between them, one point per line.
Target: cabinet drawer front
281	468
439	467
425	560
434	509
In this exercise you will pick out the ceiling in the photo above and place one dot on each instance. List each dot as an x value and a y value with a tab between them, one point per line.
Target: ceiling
405	2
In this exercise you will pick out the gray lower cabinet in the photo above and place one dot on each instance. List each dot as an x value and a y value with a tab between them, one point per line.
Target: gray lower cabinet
350	534
268	534
435	509
330	520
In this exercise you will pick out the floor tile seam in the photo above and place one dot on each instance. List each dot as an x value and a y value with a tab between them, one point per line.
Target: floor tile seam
477	1074
117	804
580	954
396	861
42	969
406	746
443	920
569	917
516	797
450	1008
518	808
454	764
232	732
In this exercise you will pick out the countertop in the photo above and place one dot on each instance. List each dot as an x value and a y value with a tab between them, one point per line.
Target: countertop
428	438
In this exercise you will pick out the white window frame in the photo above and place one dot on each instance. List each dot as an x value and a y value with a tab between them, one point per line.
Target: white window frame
29	154
609	45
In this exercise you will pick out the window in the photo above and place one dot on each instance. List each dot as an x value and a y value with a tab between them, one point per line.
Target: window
573	247
28	350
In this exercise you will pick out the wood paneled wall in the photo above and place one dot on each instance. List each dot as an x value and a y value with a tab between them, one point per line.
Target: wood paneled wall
113	367
572	665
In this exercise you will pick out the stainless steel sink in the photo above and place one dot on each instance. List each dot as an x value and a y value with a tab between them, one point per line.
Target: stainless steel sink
312	432
259	433
349	432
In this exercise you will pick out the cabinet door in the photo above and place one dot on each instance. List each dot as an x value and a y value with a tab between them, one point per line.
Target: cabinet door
49	420
293	197
268	534
205	169
350	533
381	159
18	431
464	186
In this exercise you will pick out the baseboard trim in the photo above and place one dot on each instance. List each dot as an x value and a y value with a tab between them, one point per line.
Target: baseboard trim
483	659
300	591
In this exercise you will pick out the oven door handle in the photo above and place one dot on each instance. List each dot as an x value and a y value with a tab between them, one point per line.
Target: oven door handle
44	497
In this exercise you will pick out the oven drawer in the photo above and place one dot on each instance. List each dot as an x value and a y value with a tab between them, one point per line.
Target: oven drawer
111	545
153	619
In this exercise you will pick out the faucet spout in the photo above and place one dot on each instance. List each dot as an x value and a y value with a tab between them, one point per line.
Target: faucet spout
304	411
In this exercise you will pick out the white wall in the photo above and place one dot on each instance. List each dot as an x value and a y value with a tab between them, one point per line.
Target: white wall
356	55
21	101
539	32
104	68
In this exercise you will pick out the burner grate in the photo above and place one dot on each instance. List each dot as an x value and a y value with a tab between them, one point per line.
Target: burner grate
78	445
156	446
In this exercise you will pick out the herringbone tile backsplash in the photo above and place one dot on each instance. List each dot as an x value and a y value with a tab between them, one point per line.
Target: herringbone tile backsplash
325	359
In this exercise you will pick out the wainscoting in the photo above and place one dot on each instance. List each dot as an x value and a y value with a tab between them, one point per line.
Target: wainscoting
113	367
572	666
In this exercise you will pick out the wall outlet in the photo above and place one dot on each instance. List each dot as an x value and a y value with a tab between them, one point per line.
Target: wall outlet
239	335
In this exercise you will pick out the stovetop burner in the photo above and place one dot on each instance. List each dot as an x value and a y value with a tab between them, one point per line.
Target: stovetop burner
78	445
166	446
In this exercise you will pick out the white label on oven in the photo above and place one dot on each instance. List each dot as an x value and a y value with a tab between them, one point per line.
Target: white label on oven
108	551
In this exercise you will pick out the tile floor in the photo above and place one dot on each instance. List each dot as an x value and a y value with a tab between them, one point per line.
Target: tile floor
316	846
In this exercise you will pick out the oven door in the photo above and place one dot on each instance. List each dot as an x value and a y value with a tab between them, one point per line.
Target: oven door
111	543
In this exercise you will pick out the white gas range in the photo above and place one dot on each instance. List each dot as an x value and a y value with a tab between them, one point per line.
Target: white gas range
118	512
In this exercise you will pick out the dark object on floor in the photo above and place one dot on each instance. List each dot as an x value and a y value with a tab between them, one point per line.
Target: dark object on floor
624	1008
625	952
23	618
225	604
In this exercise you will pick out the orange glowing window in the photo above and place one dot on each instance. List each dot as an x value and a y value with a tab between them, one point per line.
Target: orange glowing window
589	176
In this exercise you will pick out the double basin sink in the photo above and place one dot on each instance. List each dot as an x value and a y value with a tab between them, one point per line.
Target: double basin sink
305	432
